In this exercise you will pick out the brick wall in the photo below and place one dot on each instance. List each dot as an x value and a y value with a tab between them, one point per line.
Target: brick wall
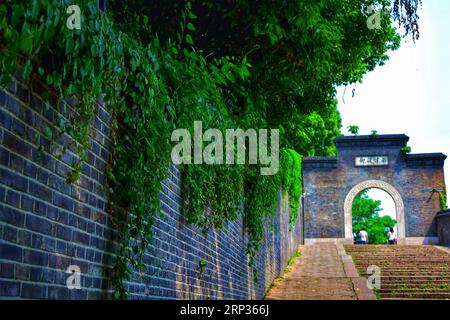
443	228
47	225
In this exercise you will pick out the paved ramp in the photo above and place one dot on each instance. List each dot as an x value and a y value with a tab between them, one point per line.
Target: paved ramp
323	272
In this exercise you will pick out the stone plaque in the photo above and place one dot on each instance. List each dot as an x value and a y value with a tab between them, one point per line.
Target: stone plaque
371	161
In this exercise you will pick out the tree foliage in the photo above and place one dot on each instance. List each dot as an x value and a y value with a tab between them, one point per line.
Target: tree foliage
366	214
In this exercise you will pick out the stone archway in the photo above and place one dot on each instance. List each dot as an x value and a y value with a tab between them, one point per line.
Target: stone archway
400	209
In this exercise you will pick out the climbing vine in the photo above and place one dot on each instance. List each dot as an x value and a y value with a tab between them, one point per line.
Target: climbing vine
443	199
291	176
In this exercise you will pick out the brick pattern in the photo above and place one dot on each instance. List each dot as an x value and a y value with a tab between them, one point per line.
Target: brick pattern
47	225
443	228
327	181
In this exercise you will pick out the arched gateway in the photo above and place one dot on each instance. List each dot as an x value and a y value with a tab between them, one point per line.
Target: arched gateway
400	208
330	185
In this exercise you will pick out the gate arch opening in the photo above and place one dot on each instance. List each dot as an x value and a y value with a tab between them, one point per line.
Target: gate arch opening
378	184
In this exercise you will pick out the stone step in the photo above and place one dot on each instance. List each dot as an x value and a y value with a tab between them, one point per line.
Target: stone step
400	278
416	295
405	267
436	285
407	273
398	258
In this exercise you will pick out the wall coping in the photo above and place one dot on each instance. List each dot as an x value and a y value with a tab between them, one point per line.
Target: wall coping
444	213
314	162
369	140
320	159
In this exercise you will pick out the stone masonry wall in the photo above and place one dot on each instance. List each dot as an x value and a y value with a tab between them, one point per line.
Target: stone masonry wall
327	181
443	228
47	225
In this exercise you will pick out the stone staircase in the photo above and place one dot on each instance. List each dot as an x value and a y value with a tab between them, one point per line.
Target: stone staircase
407	272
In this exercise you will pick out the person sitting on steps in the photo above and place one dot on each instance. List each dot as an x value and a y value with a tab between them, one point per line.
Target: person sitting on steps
364	236
392	236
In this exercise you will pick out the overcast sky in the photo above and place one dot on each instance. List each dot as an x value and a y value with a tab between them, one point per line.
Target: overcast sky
411	93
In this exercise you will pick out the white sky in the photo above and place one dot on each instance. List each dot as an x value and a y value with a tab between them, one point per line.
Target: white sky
411	93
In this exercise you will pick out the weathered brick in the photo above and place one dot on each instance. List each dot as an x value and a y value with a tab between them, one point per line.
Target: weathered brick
62	201
35	257
30	169
4	156
10	252
22	93
22	272
11	216
59	262
2	99
24	238
6	270
17	145
36	274
9	288
38	224
58	293
40	191
40	208
26	203
9	233
34	291
13	180
80	237
5	119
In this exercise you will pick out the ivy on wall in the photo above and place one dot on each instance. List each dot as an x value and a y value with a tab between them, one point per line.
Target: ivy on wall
443	200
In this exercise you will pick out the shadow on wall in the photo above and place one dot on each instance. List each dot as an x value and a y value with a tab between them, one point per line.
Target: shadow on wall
443	227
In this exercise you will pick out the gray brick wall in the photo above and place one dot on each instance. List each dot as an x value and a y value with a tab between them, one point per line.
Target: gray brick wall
47	225
443	228
327	181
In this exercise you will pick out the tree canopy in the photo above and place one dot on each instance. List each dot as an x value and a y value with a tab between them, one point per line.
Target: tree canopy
299	51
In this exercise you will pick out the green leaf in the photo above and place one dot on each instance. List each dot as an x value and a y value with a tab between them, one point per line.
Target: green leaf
191	27
26	43
49	79
189	39
27	68
41	71
48	133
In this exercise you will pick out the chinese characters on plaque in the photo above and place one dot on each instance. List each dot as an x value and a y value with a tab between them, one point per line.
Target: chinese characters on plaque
371	161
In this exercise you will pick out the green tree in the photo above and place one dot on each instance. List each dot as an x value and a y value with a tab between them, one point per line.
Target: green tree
365	214
353	129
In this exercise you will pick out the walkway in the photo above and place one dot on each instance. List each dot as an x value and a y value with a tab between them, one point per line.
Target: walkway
323	272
